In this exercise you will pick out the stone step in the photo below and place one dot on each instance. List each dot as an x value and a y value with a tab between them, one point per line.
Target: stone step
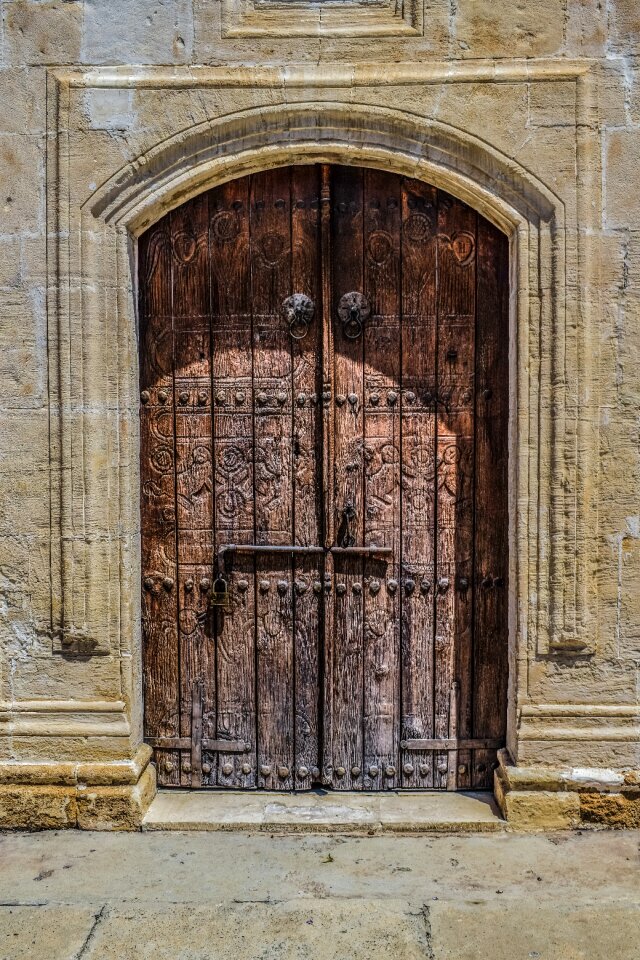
324	812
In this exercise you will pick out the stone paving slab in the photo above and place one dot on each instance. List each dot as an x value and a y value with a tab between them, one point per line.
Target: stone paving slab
324	812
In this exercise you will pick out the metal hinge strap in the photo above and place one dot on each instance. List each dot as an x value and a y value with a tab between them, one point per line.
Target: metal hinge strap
210	746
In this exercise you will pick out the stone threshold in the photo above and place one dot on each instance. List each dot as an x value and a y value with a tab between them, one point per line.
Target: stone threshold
320	811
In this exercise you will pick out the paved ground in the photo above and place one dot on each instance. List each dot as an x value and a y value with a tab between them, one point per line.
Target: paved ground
208	896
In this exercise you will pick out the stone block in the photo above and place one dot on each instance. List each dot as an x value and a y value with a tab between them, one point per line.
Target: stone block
618	810
22	188
552	104
116	807
539	809
148	31
624	25
621	205
42	31
526	28
29	807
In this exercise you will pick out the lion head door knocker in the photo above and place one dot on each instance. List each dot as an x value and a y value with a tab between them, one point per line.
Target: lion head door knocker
298	310
353	310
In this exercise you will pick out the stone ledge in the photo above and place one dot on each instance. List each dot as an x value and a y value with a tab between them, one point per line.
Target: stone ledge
547	798
47	806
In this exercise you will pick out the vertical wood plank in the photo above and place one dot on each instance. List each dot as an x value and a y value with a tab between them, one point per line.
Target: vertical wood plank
382	376
454	487
231	371
307	465
418	457
194	480
348	608
161	671
490	664
272	375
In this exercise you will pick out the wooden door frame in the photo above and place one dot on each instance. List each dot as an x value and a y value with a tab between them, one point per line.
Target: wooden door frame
555	618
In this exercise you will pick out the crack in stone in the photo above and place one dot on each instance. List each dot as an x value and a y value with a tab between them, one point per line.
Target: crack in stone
426	917
97	920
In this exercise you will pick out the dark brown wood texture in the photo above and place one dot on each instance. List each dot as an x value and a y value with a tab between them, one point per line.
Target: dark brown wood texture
319	667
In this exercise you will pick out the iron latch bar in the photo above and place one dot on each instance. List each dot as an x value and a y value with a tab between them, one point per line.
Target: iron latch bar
211	746
361	551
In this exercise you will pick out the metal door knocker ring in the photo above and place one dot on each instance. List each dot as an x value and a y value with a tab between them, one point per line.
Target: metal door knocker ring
353	310
298	310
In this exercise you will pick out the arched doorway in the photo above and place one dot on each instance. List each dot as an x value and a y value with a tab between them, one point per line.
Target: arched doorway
324	386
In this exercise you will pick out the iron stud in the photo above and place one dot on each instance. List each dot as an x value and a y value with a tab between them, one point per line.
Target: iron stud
409	586
265	770
390	771
353	399
243	585
441	766
355	771
188	585
145	396
341	588
410	396
392	586
326	395
423	769
240	397
167	583
202	397
281	397
301	586
227	769
301	399
205	584
425	586
283	772
374	587
206	769
283	586
392	397
462	768
487	582
443	584
163	396
375	399
183	397
408	769
317	586
373	771
148	583
264	585
303	772
262	399
186	766
340	399
246	769
315	773
340	771
357	588
487	394
168	765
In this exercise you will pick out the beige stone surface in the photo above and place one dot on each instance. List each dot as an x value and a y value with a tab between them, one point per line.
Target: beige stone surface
113	113
366	814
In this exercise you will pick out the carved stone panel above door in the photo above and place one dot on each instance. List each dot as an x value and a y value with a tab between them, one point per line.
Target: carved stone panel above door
332	18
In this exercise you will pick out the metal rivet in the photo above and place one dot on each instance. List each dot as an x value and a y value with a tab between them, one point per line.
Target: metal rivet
262	399
301	586
409	586
206	768
163	396
168	766
392	396
441	766
408	769
203	396
221	398
145	396
240	397
353	399
246	769
186	766
227	769
188	585
341	588
340	771
373	771
423	769
487	394
281	397
301	399
374	586
462	768
317	586
425	586
148	583
283	586
375	399
183	397
355	771
340	399
243	585
303	772
410	396
265	770
392	586
283	772
167	583
264	585
390	771
443	584
357	588
205	584
326	395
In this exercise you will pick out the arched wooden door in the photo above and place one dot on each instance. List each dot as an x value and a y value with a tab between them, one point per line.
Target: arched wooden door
324	407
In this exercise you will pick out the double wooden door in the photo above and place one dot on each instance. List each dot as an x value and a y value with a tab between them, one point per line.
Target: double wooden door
324	407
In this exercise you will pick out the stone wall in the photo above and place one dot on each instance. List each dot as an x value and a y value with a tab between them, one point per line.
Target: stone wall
114	112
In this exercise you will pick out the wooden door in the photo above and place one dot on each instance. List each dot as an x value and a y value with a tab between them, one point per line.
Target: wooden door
324	406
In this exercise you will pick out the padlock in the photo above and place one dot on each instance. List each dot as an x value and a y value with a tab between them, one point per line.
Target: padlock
219	596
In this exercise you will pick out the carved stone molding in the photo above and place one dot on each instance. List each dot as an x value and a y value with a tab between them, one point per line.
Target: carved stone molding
95	217
323	18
